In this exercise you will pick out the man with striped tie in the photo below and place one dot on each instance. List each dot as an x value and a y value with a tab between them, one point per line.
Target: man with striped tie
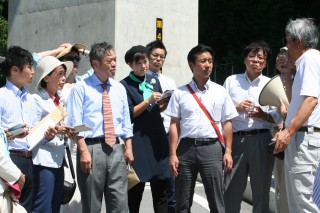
101	102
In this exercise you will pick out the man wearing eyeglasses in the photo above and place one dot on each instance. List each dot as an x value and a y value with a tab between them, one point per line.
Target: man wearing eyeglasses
251	133
157	56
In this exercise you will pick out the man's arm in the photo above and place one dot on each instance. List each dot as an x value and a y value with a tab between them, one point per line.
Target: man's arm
174	136
227	134
128	153
85	156
283	138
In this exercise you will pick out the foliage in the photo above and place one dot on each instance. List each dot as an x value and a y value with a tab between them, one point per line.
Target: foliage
228	26
3	32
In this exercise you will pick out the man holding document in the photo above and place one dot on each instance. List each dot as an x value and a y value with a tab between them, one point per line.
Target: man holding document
17	107
101	103
157	56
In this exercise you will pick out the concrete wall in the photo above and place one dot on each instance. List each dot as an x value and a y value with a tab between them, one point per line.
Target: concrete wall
39	25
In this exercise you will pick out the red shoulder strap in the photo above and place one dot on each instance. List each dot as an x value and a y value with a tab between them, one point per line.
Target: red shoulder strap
221	139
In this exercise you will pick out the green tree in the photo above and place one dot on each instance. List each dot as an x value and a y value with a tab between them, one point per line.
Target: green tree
228	26
3	33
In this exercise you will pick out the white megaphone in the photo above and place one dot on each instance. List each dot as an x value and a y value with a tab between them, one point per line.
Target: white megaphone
271	93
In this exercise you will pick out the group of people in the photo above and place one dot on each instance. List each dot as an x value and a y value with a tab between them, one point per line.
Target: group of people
218	131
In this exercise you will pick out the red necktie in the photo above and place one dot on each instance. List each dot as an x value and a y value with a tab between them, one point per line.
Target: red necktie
109	133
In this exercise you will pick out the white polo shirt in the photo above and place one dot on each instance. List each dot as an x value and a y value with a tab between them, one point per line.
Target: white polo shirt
193	122
306	83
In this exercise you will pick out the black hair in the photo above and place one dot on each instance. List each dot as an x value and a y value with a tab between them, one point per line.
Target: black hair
15	56
98	50
254	47
200	48
155	45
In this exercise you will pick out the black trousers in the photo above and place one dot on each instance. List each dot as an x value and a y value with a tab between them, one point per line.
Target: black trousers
26	166
159	196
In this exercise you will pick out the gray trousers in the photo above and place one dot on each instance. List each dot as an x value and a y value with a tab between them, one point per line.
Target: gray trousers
300	164
207	160
108	176
250	157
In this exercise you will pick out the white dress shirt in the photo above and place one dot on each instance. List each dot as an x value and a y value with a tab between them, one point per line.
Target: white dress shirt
193	122
240	88
166	83
8	170
306	83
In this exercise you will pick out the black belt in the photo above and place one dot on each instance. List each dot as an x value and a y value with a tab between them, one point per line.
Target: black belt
26	154
200	141
251	132
305	129
98	140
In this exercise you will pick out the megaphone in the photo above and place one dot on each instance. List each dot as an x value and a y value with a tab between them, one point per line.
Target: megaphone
271	93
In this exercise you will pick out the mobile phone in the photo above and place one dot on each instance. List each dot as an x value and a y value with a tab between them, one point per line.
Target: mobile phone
16	130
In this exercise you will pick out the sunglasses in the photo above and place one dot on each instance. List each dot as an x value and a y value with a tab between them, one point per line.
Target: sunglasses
72	58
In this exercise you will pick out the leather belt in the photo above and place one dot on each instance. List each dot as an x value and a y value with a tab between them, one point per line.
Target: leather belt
200	141
305	129
98	140
251	132
26	154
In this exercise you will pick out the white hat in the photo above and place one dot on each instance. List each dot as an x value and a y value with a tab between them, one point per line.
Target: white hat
65	51
47	65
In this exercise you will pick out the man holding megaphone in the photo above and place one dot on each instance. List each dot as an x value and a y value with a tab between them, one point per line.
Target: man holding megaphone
301	137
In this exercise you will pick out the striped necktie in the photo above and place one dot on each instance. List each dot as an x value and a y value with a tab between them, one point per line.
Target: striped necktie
316	189
109	132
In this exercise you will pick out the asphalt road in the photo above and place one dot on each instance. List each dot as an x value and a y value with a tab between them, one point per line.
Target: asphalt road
200	204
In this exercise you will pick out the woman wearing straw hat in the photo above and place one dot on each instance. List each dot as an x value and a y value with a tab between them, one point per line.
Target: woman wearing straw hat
48	155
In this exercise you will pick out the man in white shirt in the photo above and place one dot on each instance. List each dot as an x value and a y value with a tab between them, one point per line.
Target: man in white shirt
301	137
157	56
201	147
17	106
251	133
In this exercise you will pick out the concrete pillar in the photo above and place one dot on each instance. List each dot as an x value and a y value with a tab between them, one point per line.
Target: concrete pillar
39	25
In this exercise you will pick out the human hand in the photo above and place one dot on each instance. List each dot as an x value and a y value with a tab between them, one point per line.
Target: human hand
282	109
128	154
67	131
173	164
227	161
85	161
25	132
21	181
282	140
245	106
50	133
154	97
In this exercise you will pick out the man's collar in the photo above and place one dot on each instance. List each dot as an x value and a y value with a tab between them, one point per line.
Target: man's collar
157	74
16	91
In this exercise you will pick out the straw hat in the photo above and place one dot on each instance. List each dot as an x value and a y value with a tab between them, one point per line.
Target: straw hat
65	51
47	65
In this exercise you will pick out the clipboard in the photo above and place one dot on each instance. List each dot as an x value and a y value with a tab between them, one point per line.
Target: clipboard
36	134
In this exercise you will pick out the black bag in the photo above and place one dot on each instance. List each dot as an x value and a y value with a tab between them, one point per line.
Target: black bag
69	188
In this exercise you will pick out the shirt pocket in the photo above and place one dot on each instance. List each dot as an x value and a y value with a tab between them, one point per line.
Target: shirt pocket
215	111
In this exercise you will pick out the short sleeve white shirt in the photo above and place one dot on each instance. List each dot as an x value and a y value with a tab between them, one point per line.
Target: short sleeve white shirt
306	83
193	122
240	88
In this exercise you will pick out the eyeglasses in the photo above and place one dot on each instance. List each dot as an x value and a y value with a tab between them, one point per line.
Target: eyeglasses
72	58
156	55
253	56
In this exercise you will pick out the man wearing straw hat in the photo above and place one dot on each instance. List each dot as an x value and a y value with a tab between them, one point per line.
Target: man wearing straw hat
101	164
301	137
